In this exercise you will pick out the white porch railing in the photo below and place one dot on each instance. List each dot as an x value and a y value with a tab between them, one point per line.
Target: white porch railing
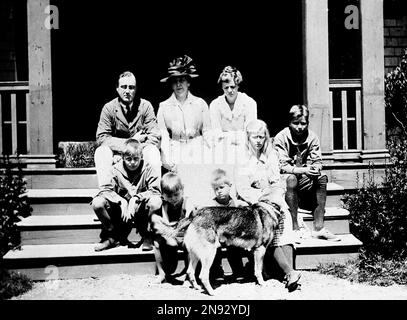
14	117
345	102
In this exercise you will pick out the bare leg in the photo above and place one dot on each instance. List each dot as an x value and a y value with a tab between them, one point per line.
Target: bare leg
291	197
319	211
99	206
159	262
291	276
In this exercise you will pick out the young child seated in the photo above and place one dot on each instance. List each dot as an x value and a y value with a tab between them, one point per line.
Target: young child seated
175	206
224	197
133	193
301	163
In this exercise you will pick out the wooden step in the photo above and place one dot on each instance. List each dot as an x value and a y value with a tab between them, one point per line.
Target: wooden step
76	201
67	261
70	261
64	178
336	219
345	174
61	201
62	229
312	252
85	228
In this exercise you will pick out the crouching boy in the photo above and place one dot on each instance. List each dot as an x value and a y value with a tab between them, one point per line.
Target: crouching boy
301	163
175	206
134	194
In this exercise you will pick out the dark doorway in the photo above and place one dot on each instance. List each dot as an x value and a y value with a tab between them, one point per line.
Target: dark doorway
95	42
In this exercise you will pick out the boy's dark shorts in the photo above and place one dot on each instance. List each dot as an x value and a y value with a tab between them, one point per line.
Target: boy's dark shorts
306	188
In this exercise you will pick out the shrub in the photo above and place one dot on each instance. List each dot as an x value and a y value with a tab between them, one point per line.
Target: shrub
396	96
13	284
13	205
379	211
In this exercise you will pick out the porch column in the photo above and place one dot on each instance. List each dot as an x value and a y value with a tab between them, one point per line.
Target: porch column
316	71
373	119
40	145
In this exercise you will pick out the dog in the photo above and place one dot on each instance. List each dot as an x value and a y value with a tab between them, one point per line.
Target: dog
251	228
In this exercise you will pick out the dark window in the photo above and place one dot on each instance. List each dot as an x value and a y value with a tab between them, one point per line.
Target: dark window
344	43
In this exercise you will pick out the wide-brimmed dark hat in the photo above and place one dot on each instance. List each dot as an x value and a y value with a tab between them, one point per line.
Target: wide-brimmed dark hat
181	66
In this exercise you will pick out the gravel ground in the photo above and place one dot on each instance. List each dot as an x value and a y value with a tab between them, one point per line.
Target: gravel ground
315	286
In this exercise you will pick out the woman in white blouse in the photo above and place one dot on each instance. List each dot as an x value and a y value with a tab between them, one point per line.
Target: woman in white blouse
183	118
230	113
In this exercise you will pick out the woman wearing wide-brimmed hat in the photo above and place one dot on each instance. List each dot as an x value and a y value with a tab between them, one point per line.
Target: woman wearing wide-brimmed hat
183	118
230	113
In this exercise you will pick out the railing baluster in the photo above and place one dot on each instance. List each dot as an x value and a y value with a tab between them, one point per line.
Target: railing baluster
12	89
345	86
331	100
13	123
344	104
1	126
358	119
27	112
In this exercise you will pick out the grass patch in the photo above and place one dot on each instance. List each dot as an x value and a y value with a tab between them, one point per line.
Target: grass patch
372	270
13	284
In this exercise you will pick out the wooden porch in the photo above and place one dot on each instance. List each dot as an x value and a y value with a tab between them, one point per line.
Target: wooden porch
347	114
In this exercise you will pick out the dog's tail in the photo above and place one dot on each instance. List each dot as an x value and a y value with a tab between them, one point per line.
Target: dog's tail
182	225
170	231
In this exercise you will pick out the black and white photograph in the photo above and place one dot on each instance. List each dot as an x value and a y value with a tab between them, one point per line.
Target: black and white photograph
201	159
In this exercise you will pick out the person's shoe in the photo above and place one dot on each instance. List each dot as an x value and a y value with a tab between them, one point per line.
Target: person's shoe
291	280
147	244
130	244
325	234
107	244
